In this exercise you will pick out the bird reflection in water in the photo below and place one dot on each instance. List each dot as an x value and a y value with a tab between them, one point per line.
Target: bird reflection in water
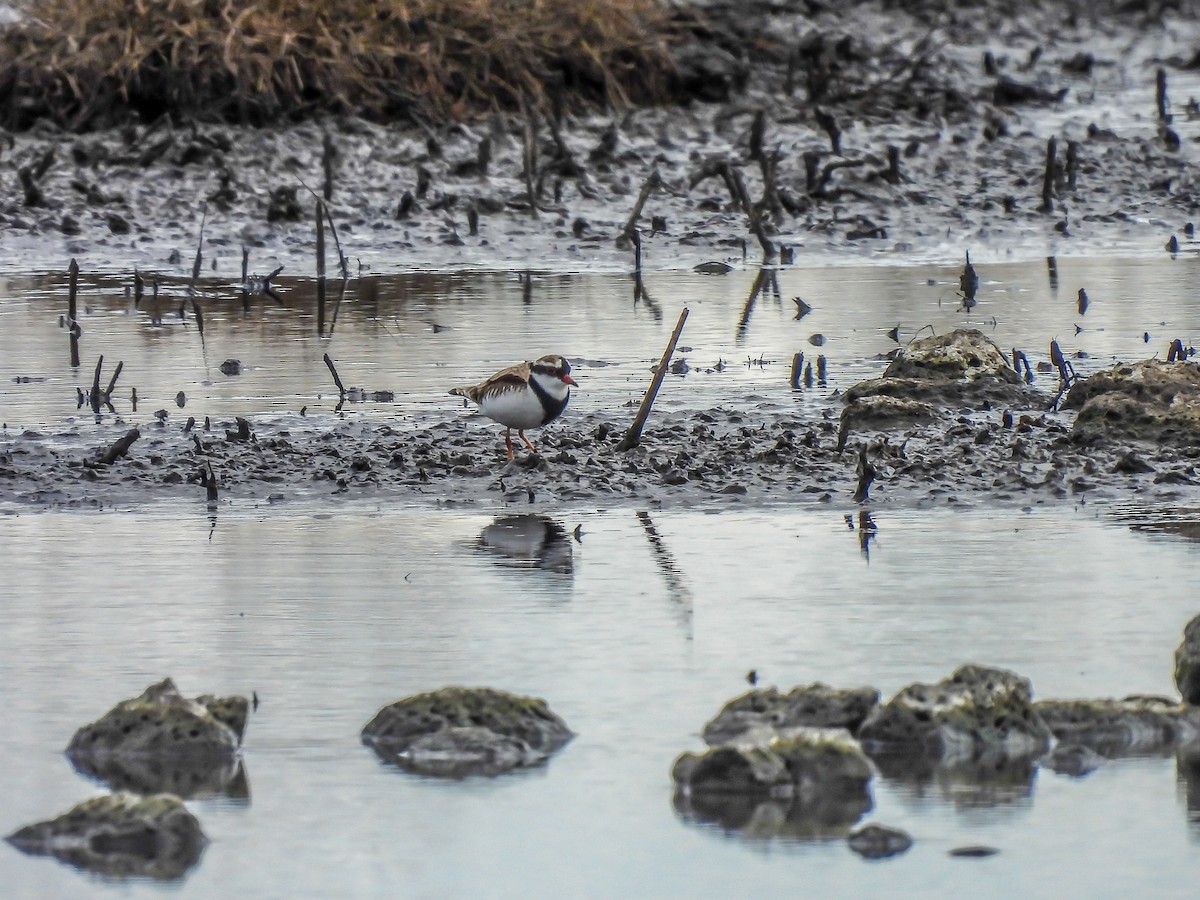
528	541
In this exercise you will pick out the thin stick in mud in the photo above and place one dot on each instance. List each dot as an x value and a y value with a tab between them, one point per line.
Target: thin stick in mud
633	436
320	268
1048	177
653	183
72	326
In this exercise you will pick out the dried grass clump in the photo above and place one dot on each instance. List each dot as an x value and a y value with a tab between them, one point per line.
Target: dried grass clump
89	63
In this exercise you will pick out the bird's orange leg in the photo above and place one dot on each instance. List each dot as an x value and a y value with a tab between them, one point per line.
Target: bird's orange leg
508	443
528	443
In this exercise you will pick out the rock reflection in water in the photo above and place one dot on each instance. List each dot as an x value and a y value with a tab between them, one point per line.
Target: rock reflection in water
186	777
982	783
1187	769
819	819
528	541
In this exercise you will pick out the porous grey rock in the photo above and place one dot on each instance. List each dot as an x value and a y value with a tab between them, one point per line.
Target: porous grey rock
1187	663
816	705
459	731
977	712
878	841
883	412
964	354
1118	727
963	367
801	782
120	835
1150	400
163	741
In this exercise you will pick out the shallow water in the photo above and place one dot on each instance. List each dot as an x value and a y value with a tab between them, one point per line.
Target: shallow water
419	335
328	618
636	635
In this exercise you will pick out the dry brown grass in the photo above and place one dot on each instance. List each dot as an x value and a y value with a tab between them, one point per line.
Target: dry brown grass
85	63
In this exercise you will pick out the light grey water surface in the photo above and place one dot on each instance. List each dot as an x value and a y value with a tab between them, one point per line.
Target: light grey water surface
418	335
330	610
329	617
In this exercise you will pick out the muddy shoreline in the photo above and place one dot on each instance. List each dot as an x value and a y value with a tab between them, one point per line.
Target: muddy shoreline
877	132
725	457
873	132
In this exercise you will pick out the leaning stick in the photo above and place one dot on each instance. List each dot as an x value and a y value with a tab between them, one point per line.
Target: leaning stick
653	183
336	378
633	436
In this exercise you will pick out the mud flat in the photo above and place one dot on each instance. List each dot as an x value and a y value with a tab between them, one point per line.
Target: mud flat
873	129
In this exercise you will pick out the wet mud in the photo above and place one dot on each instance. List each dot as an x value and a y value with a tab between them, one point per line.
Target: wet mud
899	130
759	453
907	130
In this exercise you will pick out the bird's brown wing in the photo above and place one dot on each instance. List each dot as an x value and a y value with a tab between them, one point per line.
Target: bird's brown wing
510	379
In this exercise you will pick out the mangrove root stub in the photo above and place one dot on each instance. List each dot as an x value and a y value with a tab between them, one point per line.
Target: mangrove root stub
633	436
119	447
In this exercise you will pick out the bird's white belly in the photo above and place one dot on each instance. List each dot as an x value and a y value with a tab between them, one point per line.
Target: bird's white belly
515	409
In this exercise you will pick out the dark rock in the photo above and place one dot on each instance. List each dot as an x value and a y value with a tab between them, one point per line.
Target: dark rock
1151	400
878	842
977	712
1187	663
708	74
283	206
816	705
803	782
974	851
1009	92
117	223
459	731
1116	727
231	367
1072	759
120	835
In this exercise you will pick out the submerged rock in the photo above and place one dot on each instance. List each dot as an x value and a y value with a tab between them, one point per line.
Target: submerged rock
1151	400
460	731
162	741
120	835
1187	663
878	842
1072	759
816	705
977	712
803	782
1115	727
